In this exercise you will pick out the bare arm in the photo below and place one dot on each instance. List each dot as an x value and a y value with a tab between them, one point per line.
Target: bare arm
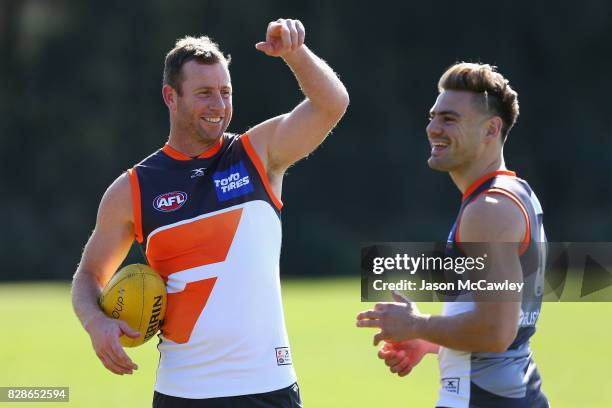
104	252
490	326
283	140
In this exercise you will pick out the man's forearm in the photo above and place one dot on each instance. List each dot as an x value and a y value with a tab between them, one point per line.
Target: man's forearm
317	80
85	294
461	332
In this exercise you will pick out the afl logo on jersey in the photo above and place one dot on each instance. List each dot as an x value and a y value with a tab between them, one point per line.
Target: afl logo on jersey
169	201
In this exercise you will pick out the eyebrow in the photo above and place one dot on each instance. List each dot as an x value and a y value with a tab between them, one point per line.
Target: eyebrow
432	113
212	87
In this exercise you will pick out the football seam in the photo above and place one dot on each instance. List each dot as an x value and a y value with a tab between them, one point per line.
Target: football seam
111	287
142	275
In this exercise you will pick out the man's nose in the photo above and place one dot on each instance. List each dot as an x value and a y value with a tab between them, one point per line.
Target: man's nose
433	128
216	102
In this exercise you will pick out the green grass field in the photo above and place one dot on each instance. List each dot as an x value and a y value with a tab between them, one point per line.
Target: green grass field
42	344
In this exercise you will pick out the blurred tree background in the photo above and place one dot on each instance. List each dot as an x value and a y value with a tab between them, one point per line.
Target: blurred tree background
80	84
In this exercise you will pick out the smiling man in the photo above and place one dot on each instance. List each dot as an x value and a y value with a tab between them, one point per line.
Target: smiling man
205	209
482	345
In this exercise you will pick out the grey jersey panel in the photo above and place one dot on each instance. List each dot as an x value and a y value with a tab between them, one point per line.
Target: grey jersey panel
510	378
506	374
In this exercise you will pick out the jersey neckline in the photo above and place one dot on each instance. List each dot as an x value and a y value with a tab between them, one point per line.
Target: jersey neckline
208	153
478	182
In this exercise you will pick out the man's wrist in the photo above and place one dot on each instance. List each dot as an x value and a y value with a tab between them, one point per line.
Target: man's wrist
90	322
421	326
423	330
293	58
432	348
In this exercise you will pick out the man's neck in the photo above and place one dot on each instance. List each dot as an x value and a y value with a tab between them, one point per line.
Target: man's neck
190	146
463	178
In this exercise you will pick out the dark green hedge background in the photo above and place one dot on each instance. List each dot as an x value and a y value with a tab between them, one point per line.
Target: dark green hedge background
80	103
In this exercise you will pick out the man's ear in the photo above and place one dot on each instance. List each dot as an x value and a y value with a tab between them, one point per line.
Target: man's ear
494	127
170	97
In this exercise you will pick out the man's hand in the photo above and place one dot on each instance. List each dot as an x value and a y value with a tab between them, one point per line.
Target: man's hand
397	321
282	37
105	333
401	357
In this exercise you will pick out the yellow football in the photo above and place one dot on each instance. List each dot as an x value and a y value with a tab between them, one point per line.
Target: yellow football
136	294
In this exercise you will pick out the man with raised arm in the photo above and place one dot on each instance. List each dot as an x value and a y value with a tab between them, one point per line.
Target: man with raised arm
205	209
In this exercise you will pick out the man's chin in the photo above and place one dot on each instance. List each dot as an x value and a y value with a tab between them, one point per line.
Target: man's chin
437	165
211	137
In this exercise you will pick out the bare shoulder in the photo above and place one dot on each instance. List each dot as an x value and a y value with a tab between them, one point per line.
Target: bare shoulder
113	235
116	204
492	218
259	136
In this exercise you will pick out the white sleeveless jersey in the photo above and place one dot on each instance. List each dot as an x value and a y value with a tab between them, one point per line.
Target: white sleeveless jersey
210	226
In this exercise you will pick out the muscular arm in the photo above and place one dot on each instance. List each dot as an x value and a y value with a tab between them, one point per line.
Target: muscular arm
283	140
104	252
490	326
107	247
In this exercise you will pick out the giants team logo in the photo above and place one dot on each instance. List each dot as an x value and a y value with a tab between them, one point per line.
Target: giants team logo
169	201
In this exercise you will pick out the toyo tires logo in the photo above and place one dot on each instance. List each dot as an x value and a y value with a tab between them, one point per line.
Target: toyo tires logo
169	201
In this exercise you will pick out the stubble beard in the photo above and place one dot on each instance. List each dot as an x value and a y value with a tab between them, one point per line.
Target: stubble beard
194	130
204	136
448	163
435	163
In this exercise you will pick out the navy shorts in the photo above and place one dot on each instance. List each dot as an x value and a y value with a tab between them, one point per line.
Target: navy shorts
284	398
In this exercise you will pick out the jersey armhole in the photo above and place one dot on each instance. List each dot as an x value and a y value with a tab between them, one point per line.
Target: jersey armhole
135	186
248	147
495	190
